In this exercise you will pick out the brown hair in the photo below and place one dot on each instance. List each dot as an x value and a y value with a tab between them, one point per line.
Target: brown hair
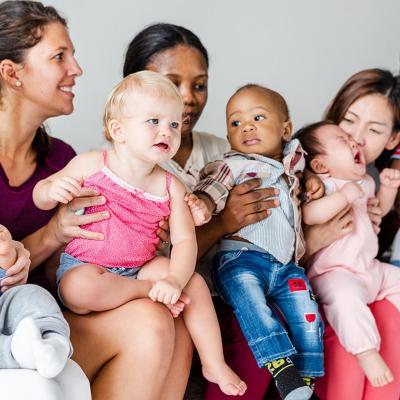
363	83
21	28
309	140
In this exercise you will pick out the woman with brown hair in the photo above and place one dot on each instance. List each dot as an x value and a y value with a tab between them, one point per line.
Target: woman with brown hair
116	349
367	107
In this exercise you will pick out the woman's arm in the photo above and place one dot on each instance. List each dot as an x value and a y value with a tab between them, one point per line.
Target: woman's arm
64	226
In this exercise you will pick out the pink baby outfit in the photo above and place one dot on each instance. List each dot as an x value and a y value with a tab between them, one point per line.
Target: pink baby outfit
346	277
130	232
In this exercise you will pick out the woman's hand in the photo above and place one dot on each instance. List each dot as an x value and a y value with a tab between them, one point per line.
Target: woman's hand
67	222
319	236
163	233
246	205
18	273
374	213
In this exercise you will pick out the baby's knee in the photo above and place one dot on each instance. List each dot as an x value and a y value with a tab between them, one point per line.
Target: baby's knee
196	282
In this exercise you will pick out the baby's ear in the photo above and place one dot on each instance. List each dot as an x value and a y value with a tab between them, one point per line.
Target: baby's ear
393	141
318	166
115	130
287	131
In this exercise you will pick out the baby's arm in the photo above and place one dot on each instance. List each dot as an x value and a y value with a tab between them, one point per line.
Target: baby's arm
8	253
184	249
65	184
390	182
216	180
322	210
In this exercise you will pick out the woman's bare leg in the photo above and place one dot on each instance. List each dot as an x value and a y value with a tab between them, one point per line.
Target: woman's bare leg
177	378
197	314
125	352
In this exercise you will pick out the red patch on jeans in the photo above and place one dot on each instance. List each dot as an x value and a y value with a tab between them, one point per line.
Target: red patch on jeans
297	285
251	174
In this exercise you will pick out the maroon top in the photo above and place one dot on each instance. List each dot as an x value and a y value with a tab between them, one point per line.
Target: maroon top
17	211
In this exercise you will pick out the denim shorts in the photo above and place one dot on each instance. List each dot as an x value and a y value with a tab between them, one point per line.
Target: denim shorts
68	262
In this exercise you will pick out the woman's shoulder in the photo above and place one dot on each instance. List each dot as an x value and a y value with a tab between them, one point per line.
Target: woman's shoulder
60	153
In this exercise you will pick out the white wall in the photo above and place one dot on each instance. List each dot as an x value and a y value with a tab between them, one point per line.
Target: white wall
305	49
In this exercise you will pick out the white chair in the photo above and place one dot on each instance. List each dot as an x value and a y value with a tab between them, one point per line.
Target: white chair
25	384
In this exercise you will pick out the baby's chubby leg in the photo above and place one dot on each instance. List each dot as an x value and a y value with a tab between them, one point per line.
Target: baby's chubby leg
157	269
202	323
8	253
89	287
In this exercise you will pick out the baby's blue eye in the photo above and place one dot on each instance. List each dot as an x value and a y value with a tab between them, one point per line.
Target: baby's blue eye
153	121
235	123
259	117
174	125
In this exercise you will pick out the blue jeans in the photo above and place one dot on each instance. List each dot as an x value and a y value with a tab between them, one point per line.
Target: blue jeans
253	281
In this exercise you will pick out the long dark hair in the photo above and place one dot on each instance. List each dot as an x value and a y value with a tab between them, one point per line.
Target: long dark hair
21	27
154	39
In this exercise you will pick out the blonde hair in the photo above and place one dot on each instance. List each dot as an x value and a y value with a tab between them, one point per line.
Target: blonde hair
147	82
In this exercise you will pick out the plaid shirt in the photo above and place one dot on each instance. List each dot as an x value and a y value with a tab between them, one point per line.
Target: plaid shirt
280	234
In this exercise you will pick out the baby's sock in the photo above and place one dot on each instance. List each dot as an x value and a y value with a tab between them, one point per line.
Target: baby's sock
309	381
288	381
47	354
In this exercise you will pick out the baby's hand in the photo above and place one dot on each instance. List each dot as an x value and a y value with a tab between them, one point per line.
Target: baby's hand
314	187
199	209
166	291
5	241
390	177
352	191
63	190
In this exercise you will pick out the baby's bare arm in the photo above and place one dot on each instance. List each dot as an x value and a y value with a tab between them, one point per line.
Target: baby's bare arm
322	210
65	184
183	237
8	253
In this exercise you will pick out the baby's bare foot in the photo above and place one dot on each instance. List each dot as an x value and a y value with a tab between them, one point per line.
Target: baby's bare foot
179	306
375	368
226	379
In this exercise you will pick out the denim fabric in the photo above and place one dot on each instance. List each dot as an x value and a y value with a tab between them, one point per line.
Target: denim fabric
259	288
396	263
67	262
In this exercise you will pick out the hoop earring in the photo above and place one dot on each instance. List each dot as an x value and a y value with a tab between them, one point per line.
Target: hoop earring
18	83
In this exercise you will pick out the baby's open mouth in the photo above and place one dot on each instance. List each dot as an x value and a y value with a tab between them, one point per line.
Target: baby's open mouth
163	146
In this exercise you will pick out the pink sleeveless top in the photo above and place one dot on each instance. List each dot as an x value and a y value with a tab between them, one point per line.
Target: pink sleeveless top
130	232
